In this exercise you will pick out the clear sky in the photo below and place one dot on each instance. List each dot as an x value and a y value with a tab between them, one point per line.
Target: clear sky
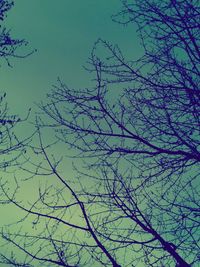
63	32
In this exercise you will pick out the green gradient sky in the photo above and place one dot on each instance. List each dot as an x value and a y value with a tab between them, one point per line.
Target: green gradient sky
63	32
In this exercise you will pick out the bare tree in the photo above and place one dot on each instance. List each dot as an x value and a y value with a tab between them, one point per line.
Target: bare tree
136	201
8	49
11	147
8	44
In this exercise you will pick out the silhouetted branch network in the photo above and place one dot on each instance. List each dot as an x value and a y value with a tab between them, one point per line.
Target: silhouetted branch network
136	201
10	146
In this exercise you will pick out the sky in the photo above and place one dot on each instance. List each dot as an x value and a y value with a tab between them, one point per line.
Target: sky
63	33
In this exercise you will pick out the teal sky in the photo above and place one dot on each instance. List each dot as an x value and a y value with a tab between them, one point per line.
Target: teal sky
63	34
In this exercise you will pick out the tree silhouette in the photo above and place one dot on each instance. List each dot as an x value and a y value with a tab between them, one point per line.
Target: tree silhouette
8	45
8	49
11	147
136	200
